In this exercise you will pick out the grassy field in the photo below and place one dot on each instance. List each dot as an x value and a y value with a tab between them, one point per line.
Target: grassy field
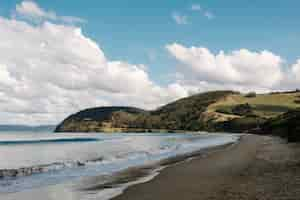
263	105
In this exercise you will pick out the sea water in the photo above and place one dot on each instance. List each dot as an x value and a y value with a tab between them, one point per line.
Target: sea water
65	157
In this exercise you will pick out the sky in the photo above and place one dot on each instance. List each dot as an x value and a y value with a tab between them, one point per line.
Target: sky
58	57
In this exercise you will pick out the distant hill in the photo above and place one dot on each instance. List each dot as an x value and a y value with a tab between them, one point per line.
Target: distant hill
16	128
226	111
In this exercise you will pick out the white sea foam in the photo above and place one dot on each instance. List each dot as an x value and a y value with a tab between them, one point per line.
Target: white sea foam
67	158
118	190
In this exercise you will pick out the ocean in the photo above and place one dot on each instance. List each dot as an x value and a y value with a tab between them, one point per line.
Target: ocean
84	163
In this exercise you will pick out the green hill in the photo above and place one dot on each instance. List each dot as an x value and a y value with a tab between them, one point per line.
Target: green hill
226	111
184	114
286	125
98	119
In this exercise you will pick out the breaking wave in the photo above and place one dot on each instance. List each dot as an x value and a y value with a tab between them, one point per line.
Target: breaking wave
43	141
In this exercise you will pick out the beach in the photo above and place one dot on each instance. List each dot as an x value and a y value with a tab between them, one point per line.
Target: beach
258	167
92	165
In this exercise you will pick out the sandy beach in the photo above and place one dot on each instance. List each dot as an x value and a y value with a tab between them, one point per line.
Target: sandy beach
258	167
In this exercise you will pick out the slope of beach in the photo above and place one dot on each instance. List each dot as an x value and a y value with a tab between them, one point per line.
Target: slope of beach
75	165
259	167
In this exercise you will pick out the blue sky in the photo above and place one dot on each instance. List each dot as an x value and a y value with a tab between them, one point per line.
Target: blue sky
62	56
137	31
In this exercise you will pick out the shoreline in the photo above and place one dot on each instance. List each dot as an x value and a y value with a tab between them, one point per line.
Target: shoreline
254	167
132	176
56	166
248	170
118	181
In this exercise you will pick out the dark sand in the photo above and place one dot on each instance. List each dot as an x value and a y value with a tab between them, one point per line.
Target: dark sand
258	168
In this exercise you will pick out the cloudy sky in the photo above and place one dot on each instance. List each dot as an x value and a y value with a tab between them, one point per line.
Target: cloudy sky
57	57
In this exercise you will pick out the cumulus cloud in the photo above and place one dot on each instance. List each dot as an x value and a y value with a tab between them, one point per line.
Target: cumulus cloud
49	70
31	10
209	15
242	70
180	19
40	61
196	7
238	67
296	71
206	13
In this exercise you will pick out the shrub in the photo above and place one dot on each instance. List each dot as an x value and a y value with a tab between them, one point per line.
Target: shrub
242	109
250	95
297	101
225	110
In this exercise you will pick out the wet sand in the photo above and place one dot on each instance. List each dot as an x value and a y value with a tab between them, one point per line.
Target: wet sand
258	168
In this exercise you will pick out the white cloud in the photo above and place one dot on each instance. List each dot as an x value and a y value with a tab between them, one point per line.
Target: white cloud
177	90
48	71
239	70
291	78
180	19
296	71
209	15
196	7
31	10
202	11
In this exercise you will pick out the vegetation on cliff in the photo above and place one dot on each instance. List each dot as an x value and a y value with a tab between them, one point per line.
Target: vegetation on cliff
226	111
286	125
184	114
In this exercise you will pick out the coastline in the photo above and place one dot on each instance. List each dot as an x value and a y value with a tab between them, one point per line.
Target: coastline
115	184
119	182
257	167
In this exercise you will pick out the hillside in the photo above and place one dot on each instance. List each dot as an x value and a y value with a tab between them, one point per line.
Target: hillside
285	125
184	114
100	119
211	111
249	113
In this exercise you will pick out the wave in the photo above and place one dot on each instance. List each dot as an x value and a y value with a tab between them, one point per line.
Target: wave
52	140
108	187
111	155
27	171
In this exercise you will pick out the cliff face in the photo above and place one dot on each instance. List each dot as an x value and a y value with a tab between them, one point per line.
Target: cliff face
226	111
